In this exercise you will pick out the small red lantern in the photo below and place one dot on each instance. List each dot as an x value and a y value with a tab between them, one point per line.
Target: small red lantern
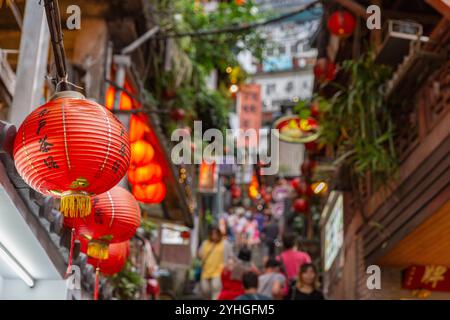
295	183
177	114
301	205
341	23
151	193
325	71
311	146
236	192
116	217
315	110
148	174
142	153
138	128
72	148
304	189
185	235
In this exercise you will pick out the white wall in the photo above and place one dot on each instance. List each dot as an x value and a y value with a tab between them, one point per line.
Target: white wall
16	289
301	84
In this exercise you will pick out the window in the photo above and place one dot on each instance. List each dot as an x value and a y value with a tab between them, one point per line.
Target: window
269	52
270	89
289	86
294	48
305	85
281	50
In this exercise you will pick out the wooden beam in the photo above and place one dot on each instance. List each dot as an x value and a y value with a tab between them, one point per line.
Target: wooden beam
442	6
423	18
32	64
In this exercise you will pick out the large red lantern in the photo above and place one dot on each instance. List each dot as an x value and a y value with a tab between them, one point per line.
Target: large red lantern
118	254
142	152
341	23
151	193
72	148
116	217
301	205
148	174
325	71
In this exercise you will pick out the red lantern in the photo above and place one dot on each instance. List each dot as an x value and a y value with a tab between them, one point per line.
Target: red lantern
177	114
142	153
185	235
236	192
72	148
151	193
304	189
315	111
325	71
148	174
341	24
117	256
138	128
301	205
295	183
116	217
311	146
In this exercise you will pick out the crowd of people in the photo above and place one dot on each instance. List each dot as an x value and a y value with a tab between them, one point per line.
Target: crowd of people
231	270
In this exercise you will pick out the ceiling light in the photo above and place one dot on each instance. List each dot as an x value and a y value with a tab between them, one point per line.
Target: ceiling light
6	256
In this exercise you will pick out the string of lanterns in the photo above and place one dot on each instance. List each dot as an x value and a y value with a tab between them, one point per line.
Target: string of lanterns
145	173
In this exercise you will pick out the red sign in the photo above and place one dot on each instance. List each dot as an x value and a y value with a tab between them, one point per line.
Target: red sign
430	277
207	178
249	106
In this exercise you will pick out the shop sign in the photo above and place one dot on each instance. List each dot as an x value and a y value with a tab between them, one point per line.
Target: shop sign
173	235
208	177
334	233
294	129
429	277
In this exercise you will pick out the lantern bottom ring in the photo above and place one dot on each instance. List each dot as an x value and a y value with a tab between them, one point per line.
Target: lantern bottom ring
75	204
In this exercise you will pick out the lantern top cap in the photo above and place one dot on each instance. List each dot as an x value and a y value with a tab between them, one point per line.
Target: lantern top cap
68	94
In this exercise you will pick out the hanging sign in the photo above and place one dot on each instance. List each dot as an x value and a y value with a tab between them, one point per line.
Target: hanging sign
429	277
296	130
208	177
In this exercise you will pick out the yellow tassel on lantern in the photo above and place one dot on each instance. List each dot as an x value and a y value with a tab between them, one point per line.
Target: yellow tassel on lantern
75	204
98	250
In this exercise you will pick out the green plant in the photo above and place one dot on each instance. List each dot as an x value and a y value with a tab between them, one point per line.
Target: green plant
356	121
127	283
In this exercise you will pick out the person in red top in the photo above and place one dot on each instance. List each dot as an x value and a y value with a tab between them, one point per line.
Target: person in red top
232	286
292	259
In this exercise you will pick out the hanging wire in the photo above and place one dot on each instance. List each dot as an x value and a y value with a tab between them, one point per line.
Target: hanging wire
56	35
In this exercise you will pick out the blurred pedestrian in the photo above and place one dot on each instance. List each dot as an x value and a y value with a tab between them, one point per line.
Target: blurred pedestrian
213	252
292	259
271	231
232	275
272	283
306	286
251	231
250	283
